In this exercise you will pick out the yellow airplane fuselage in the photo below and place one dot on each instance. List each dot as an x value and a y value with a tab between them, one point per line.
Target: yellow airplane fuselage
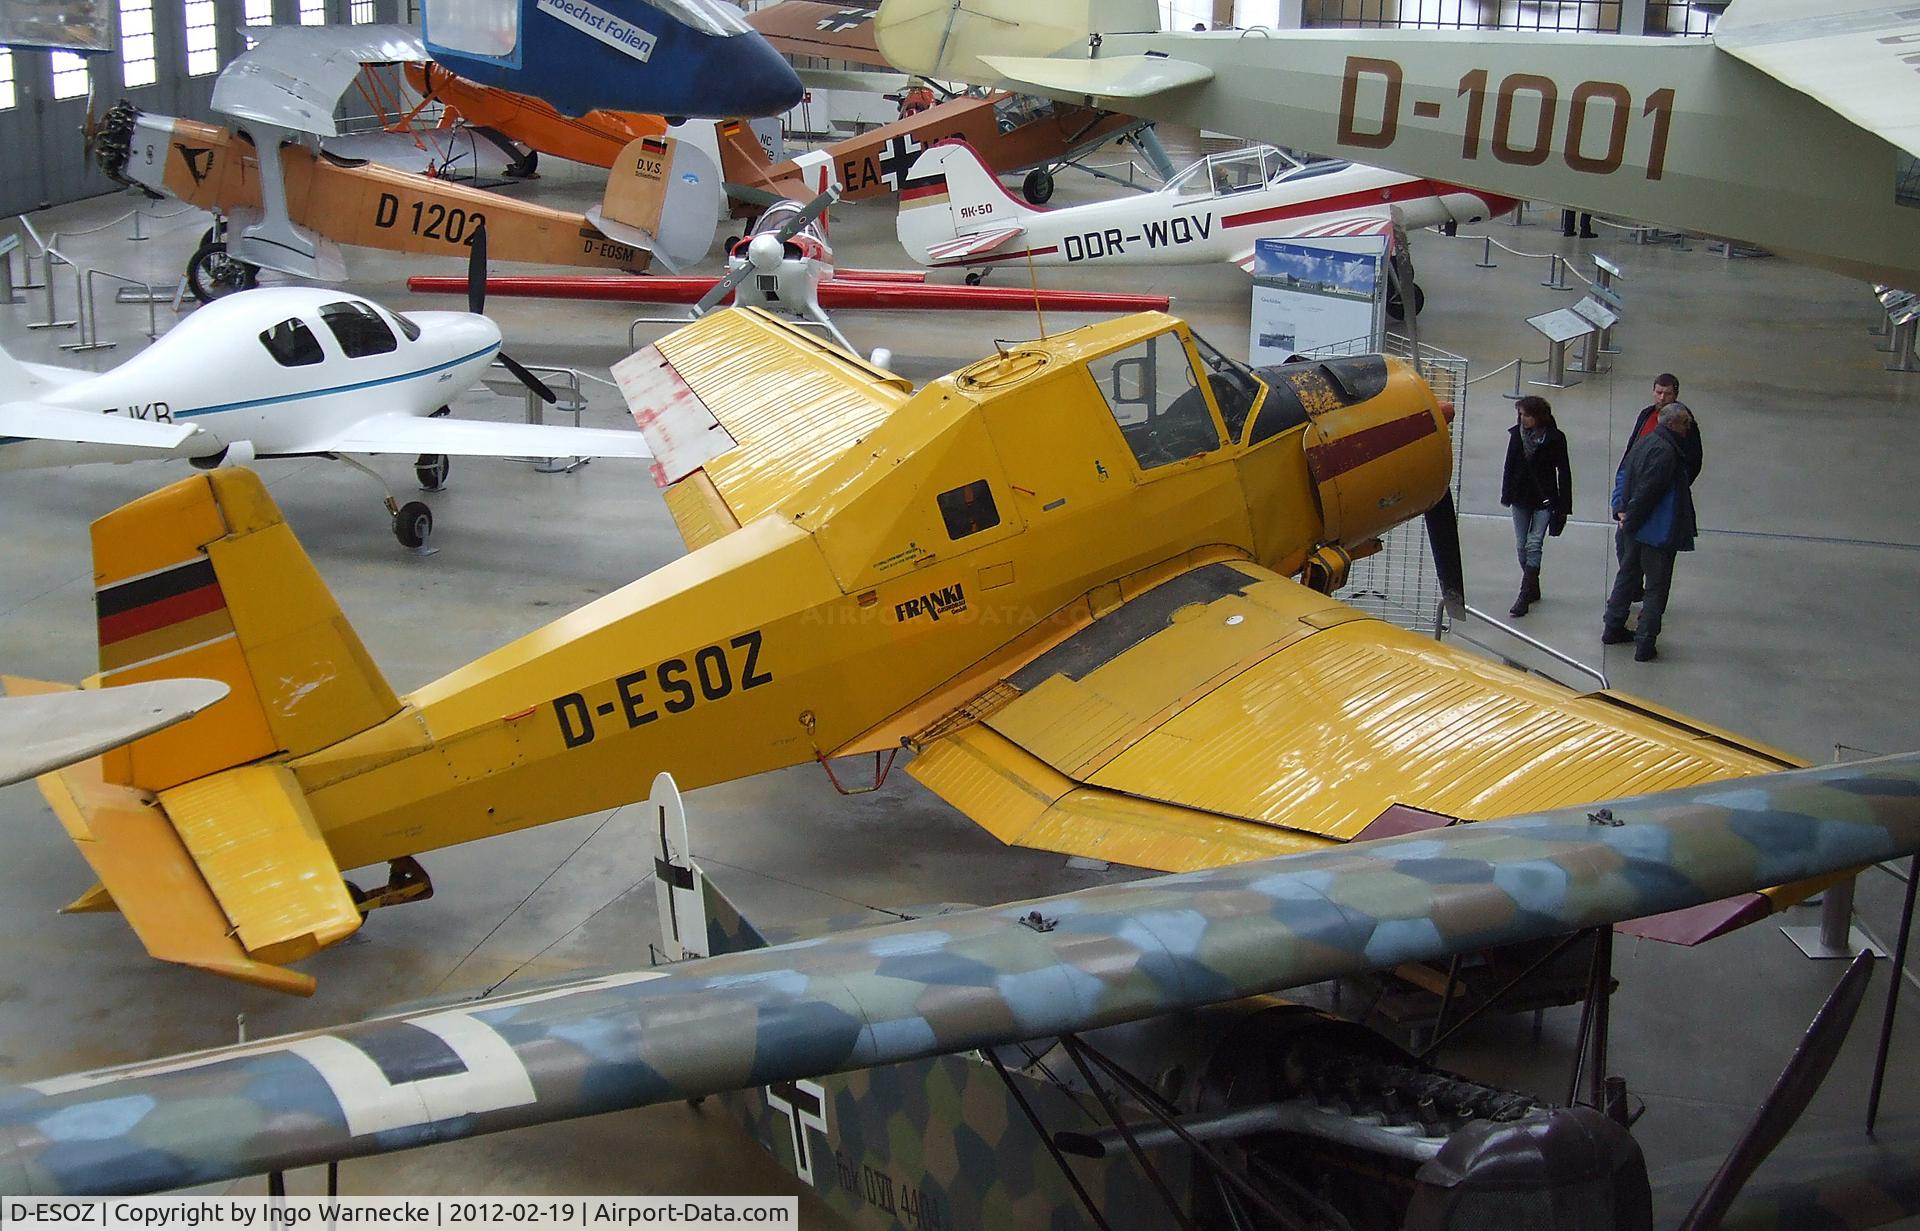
849	620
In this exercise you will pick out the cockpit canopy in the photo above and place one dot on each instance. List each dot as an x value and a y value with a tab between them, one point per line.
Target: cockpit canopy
1242	170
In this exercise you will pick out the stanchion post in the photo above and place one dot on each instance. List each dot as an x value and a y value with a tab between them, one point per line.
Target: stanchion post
1486	260
9	244
1834	936
1904	359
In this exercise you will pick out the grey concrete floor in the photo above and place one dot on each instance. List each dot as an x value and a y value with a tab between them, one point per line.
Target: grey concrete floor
1791	624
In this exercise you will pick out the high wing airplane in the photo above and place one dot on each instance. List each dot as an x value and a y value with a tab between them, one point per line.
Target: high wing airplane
1684	132
784	265
666	57
1158	993
1060	576
281	203
955	213
287	372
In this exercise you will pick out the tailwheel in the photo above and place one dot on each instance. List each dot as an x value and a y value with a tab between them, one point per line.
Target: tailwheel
413	524
1037	188
432	470
1398	309
407	881
212	273
976	276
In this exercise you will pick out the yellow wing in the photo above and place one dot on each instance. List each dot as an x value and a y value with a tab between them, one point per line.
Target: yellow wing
1231	714
742	411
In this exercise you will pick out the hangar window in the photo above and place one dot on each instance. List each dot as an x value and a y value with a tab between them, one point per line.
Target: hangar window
360	12
8	98
1906	180
292	344
136	43
1154	396
359	328
69	74
203	37
257	13
313	12
969	509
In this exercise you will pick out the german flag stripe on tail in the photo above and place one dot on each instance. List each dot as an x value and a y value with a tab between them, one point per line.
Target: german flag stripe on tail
160	613
925	190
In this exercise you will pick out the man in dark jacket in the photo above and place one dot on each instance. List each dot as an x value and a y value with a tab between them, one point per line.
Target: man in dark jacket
1653	507
1666	391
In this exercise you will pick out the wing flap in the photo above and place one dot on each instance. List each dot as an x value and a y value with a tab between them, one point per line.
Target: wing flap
759	407
398	433
36	421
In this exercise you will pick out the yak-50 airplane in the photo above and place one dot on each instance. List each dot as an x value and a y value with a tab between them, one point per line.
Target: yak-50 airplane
285	205
1131	1026
955	213
784	264
1684	132
288	372
1061	575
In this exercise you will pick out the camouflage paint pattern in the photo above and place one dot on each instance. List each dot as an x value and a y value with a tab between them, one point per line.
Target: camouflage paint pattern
929	987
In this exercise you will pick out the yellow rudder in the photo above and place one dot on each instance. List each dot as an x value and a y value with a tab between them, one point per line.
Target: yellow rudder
204	578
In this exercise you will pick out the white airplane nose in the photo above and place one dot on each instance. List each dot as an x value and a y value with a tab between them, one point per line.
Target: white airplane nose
460	333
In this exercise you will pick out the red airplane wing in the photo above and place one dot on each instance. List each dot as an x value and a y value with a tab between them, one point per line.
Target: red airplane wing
882	289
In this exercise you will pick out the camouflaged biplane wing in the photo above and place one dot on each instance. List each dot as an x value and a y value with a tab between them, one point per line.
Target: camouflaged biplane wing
983	978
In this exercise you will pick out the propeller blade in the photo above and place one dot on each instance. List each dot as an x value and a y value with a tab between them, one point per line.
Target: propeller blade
1791	1093
723	288
1443	537
811	210
532	382
477	274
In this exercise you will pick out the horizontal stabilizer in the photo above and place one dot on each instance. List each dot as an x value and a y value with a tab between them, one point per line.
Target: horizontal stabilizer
967	246
1113	77
1852	56
398	433
43	731
35	421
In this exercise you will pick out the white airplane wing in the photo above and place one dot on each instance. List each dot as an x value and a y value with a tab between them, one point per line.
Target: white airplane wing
296	75
38	421
398	433
1853	56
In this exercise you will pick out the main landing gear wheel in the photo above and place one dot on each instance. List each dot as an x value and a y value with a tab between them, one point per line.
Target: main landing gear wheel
212	273
1398	310
1037	188
413	524
432	470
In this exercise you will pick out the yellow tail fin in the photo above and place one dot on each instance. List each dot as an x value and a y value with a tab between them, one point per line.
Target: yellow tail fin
203	578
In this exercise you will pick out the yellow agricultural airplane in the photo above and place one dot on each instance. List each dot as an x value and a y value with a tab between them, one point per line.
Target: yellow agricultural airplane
1061	575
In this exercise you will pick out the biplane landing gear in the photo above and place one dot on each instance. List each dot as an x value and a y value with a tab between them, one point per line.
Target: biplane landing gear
1398	310
1037	188
412	524
212	273
407	881
432	470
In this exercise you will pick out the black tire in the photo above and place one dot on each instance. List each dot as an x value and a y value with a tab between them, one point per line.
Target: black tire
413	524
1398	310
212	273
976	276
432	470
1037	188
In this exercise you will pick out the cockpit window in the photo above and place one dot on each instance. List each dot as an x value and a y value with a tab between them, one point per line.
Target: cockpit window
1151	389
1235	388
706	16
1237	172
292	344
406	325
359	328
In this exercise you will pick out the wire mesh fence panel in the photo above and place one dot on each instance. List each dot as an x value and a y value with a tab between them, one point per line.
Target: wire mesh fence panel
1565	16
1398	583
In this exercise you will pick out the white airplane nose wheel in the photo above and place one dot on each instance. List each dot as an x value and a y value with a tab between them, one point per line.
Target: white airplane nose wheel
413	524
432	470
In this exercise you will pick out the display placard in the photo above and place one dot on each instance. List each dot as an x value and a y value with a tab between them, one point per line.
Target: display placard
1311	293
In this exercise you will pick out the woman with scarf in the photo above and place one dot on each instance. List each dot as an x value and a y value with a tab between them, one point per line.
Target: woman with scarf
1538	486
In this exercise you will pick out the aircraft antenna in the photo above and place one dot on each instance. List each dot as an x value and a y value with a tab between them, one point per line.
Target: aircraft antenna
1033	282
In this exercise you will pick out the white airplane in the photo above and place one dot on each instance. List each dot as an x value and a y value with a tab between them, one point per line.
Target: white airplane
954	212
284	372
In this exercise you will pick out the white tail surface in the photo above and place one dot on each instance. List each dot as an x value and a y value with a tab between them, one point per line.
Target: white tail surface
950	195
677	879
662	195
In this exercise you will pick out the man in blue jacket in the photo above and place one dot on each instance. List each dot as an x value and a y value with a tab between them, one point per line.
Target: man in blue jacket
1653	506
